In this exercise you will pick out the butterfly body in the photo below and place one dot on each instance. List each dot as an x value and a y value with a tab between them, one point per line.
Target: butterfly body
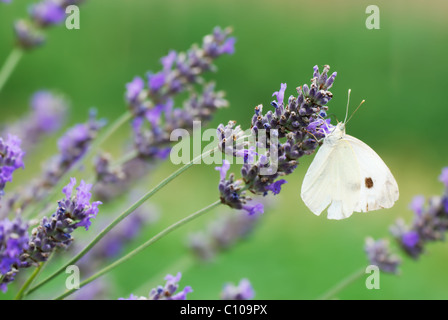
347	176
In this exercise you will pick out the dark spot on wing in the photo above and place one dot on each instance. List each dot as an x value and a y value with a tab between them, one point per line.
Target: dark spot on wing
369	183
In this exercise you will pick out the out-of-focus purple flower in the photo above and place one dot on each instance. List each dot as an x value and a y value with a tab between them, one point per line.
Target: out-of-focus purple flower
75	142
13	242
133	89
168	60
243	291
417	204
378	253
49	111
28	37
222	234
276	186
11	159
410	239
219	43
47	115
167	292
156	81
444	177
254	209
115	241
6	1
280	94
47	12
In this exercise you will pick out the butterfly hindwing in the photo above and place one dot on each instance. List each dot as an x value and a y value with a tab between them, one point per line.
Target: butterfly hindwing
378	186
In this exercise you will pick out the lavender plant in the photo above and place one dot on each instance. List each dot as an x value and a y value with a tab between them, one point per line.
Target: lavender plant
293	128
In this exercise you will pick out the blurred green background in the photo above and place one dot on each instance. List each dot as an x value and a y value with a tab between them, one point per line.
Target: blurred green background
399	70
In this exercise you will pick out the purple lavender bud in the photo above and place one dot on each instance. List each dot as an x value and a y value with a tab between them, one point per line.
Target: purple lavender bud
243	291
378	253
11	159
248	155
28	37
280	94
276	186
168	292
223	169
47	12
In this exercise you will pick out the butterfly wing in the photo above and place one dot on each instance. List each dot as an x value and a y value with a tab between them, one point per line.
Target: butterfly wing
378	186
333	179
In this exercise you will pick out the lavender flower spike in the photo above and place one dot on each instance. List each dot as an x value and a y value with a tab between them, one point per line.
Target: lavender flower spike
379	254
47	12
11	159
297	120
243	291
73	211
167	292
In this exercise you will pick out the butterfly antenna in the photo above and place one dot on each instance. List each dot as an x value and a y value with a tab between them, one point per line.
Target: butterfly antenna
348	102
362	102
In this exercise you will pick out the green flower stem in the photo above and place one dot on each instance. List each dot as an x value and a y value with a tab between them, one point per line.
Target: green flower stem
38	208
9	66
343	284
28	282
142	247
122	216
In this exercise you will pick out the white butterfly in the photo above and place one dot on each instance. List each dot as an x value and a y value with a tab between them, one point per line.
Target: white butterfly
349	176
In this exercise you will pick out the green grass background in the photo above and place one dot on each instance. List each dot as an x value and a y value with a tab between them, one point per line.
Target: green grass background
399	70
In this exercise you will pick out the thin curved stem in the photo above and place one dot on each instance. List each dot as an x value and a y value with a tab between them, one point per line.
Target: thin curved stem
75	167
343	284
28	282
9	66
127	212
142	247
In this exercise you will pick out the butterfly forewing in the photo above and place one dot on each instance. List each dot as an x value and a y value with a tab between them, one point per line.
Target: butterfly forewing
333	180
